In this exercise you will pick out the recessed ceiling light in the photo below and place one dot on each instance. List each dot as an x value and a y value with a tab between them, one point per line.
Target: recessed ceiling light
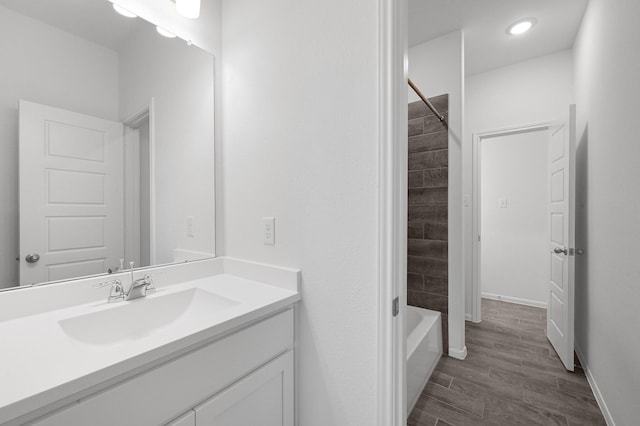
164	32
521	27
124	12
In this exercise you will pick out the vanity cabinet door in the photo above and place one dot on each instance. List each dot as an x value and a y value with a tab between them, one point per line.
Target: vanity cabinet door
187	419
264	397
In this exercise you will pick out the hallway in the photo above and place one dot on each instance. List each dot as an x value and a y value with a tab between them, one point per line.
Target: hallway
511	376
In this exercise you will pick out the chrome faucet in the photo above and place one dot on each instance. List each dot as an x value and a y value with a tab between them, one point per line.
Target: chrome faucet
139	288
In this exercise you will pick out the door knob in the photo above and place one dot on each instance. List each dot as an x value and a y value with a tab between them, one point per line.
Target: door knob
32	258
558	250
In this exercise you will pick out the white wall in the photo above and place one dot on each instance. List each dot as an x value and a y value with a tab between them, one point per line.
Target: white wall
300	120
180	79
534	91
514	238
45	65
437	67
607	58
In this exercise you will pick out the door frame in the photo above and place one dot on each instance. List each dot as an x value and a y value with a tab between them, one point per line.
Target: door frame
478	137
131	190
392	207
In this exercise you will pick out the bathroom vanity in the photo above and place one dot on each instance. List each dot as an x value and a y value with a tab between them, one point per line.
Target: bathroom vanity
214	344
108	161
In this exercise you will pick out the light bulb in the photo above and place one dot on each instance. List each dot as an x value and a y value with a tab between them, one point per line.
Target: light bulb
124	12
188	8
164	32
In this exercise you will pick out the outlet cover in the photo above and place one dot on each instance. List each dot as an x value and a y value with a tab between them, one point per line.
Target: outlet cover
269	231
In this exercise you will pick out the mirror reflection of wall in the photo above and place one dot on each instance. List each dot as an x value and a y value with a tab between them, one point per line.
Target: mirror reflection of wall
80	56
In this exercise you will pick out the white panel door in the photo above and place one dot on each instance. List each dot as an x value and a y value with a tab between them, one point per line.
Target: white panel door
71	194
265	398
560	307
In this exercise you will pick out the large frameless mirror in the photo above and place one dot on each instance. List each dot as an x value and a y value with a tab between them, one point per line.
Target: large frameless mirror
106	143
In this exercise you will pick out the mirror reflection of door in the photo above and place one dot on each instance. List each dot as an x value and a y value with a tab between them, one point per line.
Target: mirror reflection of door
139	239
71	194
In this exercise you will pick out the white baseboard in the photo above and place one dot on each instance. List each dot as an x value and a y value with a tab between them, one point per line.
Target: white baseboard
595	389
458	354
469	317
517	300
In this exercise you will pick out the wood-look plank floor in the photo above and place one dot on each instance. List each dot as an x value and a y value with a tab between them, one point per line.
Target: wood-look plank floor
511	377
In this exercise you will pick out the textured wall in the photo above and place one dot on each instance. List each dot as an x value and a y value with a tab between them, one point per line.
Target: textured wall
300	143
607	64
427	264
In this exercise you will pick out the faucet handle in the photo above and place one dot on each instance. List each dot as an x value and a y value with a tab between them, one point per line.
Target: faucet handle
115	293
150	287
106	283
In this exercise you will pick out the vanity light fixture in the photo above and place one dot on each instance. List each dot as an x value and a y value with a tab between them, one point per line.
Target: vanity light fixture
165	33
188	8
124	12
521	26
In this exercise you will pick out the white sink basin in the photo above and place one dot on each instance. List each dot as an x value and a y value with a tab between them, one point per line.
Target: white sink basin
140	318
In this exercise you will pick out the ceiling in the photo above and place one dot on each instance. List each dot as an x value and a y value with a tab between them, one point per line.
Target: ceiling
487	45
93	20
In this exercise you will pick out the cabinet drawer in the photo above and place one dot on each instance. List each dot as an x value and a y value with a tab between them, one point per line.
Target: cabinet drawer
161	394
265	398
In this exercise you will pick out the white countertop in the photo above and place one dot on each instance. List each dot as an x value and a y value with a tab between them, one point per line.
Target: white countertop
41	364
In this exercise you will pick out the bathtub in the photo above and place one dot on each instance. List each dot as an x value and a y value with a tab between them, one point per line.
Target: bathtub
424	349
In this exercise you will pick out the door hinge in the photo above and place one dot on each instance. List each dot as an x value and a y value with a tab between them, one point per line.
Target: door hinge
396	306
478	237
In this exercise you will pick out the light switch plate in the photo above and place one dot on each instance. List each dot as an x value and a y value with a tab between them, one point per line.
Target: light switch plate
190	227
269	231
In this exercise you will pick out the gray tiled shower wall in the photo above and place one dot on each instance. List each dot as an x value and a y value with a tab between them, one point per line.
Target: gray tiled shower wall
427	264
